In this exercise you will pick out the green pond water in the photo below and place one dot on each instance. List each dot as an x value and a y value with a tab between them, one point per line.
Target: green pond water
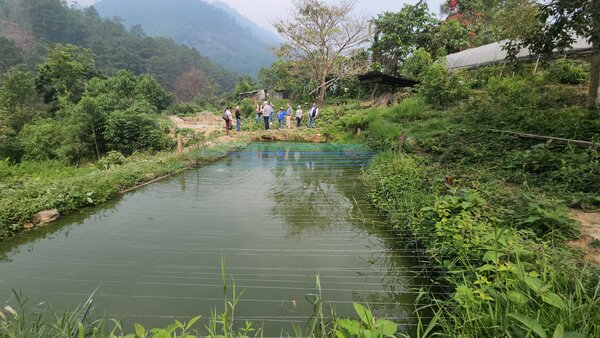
276	214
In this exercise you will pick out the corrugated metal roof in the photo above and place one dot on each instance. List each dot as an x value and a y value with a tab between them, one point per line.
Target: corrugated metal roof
493	52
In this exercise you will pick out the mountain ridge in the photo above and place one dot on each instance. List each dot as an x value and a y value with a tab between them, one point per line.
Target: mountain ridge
209	29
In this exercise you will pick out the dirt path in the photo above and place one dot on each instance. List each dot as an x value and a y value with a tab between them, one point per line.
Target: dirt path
206	122
590	234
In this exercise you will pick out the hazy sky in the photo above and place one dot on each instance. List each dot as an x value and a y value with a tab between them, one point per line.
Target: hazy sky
263	12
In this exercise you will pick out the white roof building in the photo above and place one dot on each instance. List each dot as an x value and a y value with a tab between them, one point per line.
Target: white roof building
493	53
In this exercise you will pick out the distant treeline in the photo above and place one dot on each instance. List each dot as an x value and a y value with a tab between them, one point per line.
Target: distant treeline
29	27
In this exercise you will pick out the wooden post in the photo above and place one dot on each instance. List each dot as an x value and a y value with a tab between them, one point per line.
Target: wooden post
401	142
179	145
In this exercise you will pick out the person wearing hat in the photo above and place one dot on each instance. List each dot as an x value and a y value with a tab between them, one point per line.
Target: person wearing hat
298	116
266	113
281	117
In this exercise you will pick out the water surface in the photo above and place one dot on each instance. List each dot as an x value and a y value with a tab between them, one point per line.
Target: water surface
277	215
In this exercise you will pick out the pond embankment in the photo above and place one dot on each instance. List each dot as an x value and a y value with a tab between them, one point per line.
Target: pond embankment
36	193
29	189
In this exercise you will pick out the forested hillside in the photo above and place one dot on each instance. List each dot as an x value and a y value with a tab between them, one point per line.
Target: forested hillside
197	24
28	27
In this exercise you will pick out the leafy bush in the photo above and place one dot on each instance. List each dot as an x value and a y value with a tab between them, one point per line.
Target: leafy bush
248	107
111	160
568	71
128	132
567	170
441	88
43	140
416	64
183	109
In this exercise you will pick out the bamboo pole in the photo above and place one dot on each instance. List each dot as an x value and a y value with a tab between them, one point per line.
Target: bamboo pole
557	140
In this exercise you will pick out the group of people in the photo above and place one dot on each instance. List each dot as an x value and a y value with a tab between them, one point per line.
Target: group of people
267	112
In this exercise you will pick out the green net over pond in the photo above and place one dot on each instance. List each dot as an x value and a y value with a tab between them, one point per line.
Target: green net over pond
276	214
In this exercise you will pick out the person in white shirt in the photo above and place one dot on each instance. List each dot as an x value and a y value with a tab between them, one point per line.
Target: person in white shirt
266	114
298	116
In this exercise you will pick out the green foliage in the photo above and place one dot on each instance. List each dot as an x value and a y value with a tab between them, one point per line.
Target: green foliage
383	135
64	74
528	105
568	71
248	108
111	160
130	131
184	109
400	34
114	47
569	169
416	64
441	88
409	109
451	36
11	54
245	84
368	326
43	140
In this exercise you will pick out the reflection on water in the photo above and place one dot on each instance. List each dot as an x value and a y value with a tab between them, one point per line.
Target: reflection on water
277	214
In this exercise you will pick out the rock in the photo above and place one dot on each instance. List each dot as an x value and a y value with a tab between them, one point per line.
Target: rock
28	226
149	176
47	216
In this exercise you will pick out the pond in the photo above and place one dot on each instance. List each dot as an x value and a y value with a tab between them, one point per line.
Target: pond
276	215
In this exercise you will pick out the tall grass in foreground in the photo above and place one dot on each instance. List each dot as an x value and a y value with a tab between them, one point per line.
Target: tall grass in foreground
71	324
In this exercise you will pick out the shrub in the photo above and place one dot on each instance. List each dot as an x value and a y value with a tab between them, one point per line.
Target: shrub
568	71
129	132
183	109
417	64
248	107
42	140
111	160
441	88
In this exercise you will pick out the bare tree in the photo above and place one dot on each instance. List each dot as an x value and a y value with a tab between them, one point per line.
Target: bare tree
323	40
191	84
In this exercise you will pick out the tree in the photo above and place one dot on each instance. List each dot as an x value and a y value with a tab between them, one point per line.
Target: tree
17	97
11	54
417	64
489	21
451	37
192	83
276	77
560	22
321	37
245	84
65	73
399	34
